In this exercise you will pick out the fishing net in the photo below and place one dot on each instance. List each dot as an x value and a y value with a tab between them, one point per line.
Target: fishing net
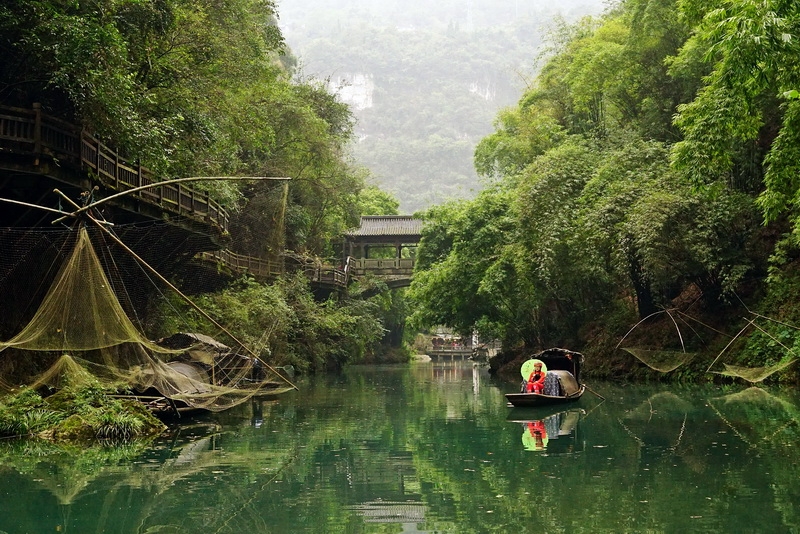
80	311
755	374
660	360
80	333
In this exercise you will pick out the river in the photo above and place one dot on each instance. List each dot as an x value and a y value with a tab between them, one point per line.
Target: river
431	448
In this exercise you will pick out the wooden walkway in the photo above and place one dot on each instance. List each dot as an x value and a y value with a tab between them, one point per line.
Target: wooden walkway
268	270
33	142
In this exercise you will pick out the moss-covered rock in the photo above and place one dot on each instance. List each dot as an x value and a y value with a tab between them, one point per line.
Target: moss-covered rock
76	415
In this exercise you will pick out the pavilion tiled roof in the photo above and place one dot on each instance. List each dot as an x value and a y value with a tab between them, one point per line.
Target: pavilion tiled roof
388	225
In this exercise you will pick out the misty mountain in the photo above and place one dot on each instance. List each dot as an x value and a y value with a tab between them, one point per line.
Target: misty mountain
425	80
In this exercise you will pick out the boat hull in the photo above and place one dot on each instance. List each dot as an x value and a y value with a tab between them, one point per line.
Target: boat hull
527	400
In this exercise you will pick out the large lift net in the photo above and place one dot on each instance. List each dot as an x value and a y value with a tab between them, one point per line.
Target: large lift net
80	332
665	361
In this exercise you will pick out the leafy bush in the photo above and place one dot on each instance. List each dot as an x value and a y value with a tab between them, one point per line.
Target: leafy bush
285	325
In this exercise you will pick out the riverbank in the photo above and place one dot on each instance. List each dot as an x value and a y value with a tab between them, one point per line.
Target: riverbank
695	341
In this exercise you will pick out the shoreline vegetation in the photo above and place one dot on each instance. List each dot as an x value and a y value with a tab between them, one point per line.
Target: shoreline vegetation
655	206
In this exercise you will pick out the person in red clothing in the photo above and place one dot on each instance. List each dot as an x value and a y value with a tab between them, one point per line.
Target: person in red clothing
534	437
536	379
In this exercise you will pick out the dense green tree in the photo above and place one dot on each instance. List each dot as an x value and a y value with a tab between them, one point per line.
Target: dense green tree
374	201
521	134
742	125
288	326
558	277
144	75
656	234
460	242
193	89
601	213
208	88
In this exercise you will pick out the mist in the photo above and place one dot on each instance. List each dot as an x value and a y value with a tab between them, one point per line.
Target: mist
424	80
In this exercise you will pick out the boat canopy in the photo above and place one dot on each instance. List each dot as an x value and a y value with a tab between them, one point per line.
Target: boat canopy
562	359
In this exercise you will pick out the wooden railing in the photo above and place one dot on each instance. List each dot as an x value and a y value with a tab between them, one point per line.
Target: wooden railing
328	276
325	275
33	132
268	270
259	268
385	266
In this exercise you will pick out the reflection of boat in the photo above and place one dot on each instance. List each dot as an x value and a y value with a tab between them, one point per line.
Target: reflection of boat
561	379
528	413
539	434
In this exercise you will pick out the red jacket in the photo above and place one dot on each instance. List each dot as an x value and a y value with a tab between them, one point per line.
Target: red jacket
536	381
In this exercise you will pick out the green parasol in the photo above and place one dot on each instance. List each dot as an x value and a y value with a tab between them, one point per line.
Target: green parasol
527	367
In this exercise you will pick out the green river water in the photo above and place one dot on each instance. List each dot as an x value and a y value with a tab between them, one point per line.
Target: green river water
431	447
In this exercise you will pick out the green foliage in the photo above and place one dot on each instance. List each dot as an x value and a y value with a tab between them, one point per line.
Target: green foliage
374	201
777	337
14	420
328	335
460	241
604	208
648	224
633	43
192	89
520	136
286	325
257	313
733	125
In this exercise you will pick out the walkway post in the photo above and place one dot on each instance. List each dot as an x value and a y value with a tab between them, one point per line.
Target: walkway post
37	131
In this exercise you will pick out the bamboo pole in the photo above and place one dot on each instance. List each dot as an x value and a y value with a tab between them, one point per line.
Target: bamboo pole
159	184
187	299
593	392
28	205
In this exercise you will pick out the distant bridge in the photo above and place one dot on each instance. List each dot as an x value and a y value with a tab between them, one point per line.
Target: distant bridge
384	246
449	353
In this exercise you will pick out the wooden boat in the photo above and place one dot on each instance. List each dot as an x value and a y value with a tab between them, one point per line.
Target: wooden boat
561	384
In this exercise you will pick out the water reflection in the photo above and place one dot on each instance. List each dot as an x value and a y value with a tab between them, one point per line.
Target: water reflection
430	448
542	434
659	421
758	418
136	487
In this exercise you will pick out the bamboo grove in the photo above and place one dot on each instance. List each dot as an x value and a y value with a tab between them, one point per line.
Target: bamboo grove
649	172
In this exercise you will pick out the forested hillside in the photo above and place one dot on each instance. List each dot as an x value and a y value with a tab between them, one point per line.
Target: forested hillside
424	80
650	174
208	89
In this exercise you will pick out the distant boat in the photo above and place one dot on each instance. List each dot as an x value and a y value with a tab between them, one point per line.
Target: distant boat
561	384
